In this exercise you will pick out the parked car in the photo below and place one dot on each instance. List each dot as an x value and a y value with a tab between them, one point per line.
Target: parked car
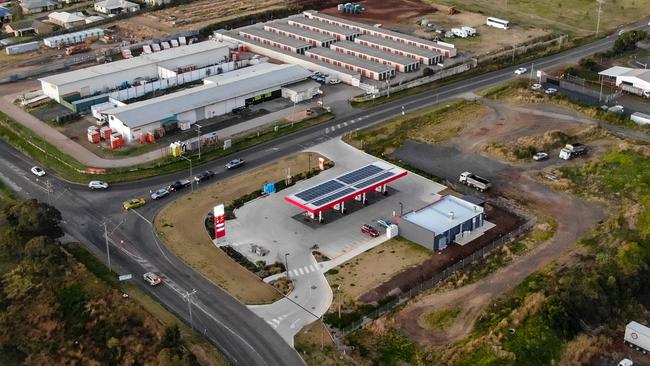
235	163
384	223
133	203
369	230
204	176
97	184
239	109
179	184
521	71
38	171
626	362
335	81
161	193
536	87
550	91
540	156
152	278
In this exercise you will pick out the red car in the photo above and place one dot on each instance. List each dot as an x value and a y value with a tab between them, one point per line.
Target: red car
367	229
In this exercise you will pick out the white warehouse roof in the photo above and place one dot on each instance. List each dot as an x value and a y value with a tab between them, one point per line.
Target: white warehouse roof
438	218
144	112
618	71
245	73
142	60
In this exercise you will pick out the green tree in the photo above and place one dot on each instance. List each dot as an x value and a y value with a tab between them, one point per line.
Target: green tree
16	11
33	218
394	347
171	338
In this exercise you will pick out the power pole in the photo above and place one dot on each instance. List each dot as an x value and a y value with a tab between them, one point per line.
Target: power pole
108	250
198	136
50	190
188	298
600	3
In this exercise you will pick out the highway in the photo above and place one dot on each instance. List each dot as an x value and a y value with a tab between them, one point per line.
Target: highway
243	338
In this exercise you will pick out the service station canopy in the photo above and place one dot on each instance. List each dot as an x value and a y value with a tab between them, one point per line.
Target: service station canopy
345	187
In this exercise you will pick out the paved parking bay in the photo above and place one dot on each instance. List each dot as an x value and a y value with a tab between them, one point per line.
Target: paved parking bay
270	222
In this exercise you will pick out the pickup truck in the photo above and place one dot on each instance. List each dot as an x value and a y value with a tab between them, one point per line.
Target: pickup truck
570	151
472	180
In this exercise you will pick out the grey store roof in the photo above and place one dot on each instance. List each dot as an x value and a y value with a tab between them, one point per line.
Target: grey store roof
288	41
350	60
300	31
444	214
399	46
371	51
325	26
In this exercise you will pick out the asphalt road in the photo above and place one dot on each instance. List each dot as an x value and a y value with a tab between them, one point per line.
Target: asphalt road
244	338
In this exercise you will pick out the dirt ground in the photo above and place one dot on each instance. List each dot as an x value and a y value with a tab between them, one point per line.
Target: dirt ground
360	274
180	226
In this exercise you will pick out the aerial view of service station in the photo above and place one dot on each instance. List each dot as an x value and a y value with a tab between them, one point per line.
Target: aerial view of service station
299	182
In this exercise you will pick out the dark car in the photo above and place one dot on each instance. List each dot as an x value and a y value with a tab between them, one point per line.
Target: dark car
235	163
179	184
204	176
367	229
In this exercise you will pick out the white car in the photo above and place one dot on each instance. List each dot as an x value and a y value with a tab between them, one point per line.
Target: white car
540	156
521	71
38	171
334	81
550	91
536	87
152	278
161	193
97	184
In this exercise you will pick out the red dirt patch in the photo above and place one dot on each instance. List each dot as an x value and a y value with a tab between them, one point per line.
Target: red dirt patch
411	277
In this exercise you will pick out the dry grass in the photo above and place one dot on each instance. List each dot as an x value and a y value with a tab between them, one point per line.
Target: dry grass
361	274
180	226
581	349
438	319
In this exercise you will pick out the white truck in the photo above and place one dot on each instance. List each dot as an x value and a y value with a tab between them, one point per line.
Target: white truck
570	151
637	336
459	32
472	180
469	31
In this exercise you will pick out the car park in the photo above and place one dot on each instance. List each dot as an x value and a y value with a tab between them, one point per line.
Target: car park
235	163
161	193
540	156
521	71
133	203
152	278
369	230
38	171
97	184
179	184
536	87
550	91
204	176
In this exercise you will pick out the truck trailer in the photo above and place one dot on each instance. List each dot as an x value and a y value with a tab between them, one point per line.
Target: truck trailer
637	336
570	151
472	180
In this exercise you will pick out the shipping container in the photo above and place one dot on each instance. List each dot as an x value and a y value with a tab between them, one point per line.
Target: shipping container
94	137
640	118
22	48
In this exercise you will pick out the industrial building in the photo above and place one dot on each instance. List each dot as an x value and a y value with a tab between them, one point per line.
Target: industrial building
425	56
67	20
448	220
105	77
338	32
446	49
400	63
275	40
116	7
366	68
345	75
316	39
216	97
353	185
629	77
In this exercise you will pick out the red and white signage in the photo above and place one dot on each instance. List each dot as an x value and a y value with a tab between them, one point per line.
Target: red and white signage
219	221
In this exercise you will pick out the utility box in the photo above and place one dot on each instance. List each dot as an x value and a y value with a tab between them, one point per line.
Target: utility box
392	231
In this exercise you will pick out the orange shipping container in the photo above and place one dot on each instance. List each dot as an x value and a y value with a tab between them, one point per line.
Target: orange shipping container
94	137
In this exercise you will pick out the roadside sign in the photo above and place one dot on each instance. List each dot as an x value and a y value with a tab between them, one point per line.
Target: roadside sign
227	144
125	277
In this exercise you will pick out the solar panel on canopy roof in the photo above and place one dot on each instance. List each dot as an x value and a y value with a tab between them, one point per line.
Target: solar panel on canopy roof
373	180
359	174
319	190
334	196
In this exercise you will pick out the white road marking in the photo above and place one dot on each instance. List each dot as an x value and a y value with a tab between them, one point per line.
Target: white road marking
311	268
345	124
301	272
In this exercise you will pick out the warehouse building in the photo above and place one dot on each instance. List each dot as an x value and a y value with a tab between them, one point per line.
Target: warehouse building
629	77
446	49
275	40
448	220
316	39
339	33
105	77
366	68
400	63
345	75
212	99
423	55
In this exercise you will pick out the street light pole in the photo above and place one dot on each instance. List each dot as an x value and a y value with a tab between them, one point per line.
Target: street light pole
191	182
198	136
286	264
188	297
600	3
401	209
